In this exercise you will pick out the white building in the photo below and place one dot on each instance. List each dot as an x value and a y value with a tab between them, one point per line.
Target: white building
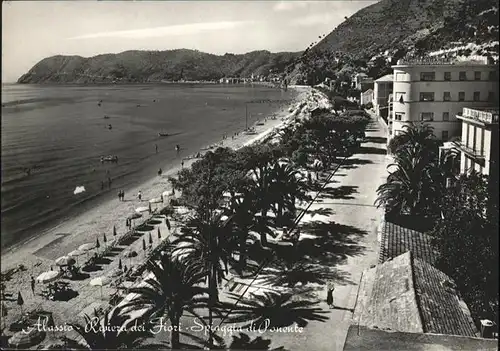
436	91
382	89
366	97
362	82
479	143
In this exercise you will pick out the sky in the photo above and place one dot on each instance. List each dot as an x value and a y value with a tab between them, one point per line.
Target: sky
32	31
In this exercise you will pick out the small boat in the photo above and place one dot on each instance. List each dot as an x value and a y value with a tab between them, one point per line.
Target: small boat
106	117
109	158
163	134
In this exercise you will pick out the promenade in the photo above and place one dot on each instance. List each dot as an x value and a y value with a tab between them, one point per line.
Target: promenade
338	241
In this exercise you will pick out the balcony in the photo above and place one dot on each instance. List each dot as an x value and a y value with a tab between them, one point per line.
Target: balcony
483	116
475	154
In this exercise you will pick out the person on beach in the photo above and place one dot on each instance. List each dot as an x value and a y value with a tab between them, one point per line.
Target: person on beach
109	182
123	195
102	184
182	164
33	285
156	148
329	295
160	172
177	148
120	195
139	195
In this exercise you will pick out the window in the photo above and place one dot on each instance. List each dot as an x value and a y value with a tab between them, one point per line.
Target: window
477	96
447	75
446	96
401	77
461	96
477	75
462	76
491	96
444	135
446	116
427	116
398	116
427	76
492	75
426	96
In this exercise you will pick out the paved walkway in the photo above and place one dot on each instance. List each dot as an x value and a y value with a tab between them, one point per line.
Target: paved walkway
345	223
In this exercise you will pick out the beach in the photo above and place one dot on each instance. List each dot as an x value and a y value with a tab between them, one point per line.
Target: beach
39	253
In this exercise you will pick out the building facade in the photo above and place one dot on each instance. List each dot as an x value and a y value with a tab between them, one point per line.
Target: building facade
479	143
436	91
362	82
366	97
383	87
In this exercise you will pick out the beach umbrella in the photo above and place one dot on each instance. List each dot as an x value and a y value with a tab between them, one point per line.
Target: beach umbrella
114	231
76	253
65	261
105	239
100	281
24	339
135	215
159	234
141	209
20	301
143	244
48	277
167	222
149	207
97	244
150	239
120	264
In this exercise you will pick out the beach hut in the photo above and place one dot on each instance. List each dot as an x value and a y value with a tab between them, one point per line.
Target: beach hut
100	281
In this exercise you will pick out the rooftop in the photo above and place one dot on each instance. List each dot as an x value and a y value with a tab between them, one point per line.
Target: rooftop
386	78
363	338
409	295
432	61
398	237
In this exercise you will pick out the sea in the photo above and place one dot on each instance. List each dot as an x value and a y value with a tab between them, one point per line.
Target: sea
53	138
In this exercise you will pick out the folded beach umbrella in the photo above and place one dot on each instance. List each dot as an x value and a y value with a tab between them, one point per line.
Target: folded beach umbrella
159	234
86	247
150	239
65	261
149	207
114	231
120	266
48	277
141	209
167	222
24	339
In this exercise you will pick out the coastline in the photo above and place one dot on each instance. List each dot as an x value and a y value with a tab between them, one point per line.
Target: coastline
93	223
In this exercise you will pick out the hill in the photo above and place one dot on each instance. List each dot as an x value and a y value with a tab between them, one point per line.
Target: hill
391	29
155	66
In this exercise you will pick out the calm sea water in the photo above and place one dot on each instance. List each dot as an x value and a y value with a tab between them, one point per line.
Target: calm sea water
60	132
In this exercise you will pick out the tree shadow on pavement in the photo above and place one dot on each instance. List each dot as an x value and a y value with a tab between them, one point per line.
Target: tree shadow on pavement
372	150
343	192
274	310
243	342
332	244
354	162
323	211
376	140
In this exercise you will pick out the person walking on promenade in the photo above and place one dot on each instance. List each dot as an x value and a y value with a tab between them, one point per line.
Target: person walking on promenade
120	195
329	295
102	184
156	148
160	172
139	195
123	195
33	285
182	164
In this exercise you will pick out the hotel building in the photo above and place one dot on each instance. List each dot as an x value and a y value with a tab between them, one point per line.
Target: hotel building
479	144
435	91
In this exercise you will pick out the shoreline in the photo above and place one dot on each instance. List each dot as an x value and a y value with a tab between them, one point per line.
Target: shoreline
85	227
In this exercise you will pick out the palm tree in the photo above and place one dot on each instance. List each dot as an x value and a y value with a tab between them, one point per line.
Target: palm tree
419	135
175	287
207	242
111	333
413	186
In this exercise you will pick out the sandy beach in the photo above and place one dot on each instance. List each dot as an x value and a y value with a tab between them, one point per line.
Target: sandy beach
38	254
